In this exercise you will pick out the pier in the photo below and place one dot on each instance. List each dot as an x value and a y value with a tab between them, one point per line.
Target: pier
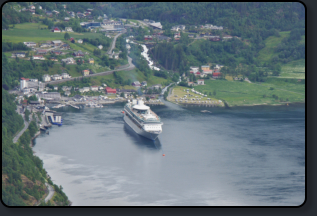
74	106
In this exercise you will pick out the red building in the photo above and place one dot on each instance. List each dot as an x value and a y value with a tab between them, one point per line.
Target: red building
110	90
216	75
148	37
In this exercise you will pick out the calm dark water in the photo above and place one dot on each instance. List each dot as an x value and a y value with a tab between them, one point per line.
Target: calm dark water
230	157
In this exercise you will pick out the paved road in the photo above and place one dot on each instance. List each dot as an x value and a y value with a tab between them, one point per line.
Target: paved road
26	125
143	23
114	41
51	192
129	67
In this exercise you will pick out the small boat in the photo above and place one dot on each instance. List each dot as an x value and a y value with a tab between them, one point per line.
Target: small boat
204	111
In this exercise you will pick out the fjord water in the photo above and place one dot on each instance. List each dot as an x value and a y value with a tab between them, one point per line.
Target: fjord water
231	157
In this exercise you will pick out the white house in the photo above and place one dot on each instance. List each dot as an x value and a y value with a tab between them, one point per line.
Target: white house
67	93
57	42
40	7
200	82
57	77
80	41
30	44
69	29
69	60
18	54
38	57
46	78
100	46
94	88
86	89
116	56
194	69
65	75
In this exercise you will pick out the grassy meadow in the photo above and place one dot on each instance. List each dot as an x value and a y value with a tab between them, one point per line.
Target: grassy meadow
32	32
294	69
271	43
237	93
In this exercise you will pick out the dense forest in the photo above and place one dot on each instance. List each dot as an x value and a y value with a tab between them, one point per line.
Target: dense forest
241	17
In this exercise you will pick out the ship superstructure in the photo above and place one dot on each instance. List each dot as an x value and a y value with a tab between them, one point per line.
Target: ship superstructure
142	119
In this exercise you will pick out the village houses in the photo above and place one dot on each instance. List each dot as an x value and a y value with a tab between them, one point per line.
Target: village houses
85	72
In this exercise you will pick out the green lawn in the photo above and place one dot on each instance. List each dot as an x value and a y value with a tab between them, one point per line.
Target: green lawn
237	93
294	69
32	32
271	43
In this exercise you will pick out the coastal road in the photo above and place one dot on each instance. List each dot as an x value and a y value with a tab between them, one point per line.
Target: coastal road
129	67
114	41
26	125
51	192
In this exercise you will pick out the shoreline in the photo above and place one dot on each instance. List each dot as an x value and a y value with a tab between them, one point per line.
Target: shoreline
238	106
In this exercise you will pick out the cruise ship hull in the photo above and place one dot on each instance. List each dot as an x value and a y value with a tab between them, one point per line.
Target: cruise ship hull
149	135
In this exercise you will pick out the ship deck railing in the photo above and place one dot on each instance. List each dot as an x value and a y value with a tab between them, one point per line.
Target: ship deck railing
141	118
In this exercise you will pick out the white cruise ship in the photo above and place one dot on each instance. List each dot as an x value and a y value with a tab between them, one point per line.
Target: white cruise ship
142	119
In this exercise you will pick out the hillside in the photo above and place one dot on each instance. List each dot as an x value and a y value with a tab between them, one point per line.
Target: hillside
23	175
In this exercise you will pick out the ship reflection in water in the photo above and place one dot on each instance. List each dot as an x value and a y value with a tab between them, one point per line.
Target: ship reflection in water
142	142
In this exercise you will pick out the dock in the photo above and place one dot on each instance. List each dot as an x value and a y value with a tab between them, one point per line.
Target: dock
74	106
59	105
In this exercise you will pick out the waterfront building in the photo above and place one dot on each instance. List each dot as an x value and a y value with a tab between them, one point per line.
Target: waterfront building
110	90
50	95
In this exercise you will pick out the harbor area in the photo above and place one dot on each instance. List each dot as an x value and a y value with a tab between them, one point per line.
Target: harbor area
79	101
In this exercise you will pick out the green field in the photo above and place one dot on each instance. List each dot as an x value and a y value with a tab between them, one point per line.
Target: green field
133	75
271	43
237	93
294	69
32	32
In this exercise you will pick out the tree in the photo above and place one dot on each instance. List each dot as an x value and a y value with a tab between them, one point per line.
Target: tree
66	36
147	98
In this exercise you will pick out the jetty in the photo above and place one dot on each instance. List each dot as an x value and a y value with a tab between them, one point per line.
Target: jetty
74	106
59	105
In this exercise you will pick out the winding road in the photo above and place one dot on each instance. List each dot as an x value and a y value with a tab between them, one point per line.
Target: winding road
114	41
26	125
51	192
